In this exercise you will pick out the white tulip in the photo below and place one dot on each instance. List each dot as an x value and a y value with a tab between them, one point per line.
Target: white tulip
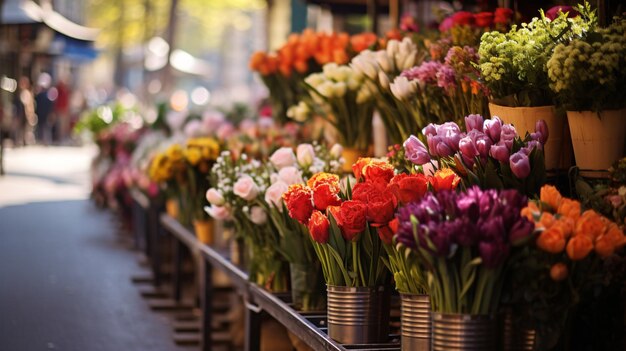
326	89
393	46
315	79
383	61
339	89
305	153
383	80
402	88
336	151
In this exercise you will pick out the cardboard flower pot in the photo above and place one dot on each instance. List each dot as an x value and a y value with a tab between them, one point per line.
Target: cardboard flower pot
204	230
172	208
524	119
598	138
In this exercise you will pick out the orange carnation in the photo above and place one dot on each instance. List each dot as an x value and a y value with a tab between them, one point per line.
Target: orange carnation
551	196
551	240
569	208
579	247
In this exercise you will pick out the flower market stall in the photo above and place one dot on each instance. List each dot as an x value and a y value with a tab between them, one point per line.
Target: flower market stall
479	229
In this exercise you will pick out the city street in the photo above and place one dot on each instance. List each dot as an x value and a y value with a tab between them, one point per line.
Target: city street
64	272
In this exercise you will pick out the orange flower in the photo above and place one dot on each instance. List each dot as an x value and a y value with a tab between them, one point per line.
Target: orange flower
551	240
607	243
323	178
565	225
325	188
359	165
590	224
394	34
360	42
579	247
547	220
558	272
444	179
530	211
256	60
551	196
569	208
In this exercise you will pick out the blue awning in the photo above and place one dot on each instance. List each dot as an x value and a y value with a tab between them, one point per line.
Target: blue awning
73	49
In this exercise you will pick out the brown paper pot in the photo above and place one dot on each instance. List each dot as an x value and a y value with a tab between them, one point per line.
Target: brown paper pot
204	230
171	207
598	138
524	119
351	155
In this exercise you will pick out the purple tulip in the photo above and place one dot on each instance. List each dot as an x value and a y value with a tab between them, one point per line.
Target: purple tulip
483	144
508	134
493	253
520	230
430	129
415	151
467	146
530	146
451	134
500	152
520	164
492	127
542	128
474	122
438	147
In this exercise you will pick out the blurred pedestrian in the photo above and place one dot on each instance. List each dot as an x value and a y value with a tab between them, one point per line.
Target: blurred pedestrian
61	110
43	109
25	118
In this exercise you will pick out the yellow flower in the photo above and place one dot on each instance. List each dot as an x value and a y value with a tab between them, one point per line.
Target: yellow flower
193	155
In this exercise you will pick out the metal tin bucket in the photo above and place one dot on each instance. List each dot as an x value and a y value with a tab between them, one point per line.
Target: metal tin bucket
516	337
358	315
462	332
416	322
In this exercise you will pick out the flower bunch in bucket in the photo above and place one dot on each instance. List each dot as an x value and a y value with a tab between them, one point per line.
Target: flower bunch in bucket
488	153
288	168
237	197
462	241
167	168
564	263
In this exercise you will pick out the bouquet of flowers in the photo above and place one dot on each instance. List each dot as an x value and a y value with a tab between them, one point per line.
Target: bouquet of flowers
463	242
586	73
282	72
167	168
346	101
489	154
563	263
438	91
259	138
514	64
382	67
465	28
200	155
239	185
348	227
288	168
402	260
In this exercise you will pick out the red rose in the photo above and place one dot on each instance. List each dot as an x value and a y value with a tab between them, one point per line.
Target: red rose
318	227
408	188
380	202
378	172
484	19
463	18
502	15
299	201
352	218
